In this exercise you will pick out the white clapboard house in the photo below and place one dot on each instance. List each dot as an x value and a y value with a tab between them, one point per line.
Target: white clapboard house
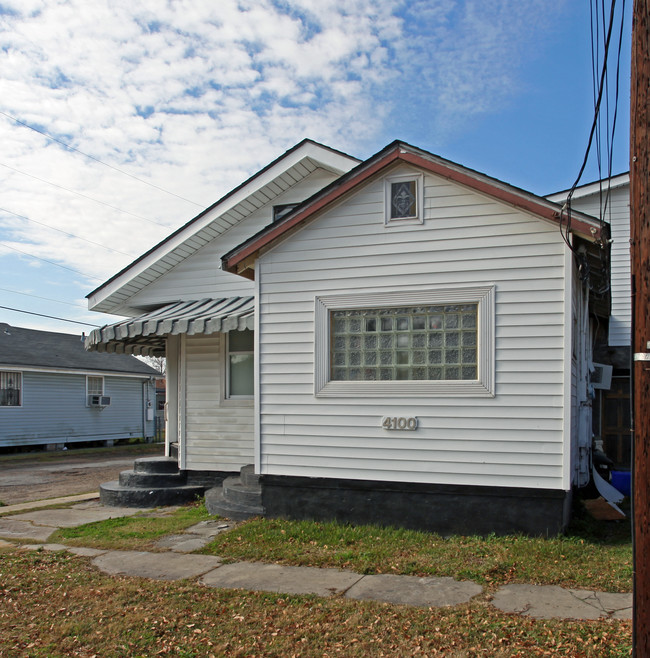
400	341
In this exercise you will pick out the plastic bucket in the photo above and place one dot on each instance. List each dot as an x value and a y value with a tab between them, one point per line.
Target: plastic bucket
622	480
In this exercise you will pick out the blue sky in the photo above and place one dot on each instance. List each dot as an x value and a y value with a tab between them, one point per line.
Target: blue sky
184	100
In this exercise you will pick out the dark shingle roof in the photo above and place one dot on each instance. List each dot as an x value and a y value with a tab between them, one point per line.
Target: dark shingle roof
47	349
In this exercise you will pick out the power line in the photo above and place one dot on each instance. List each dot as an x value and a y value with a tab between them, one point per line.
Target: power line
51	317
85	196
601	87
602	84
48	299
72	235
51	262
92	157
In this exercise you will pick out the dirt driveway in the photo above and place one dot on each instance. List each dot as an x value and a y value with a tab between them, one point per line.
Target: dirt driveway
35	476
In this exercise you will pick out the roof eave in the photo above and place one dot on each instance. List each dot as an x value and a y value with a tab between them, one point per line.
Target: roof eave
581	224
614	182
329	158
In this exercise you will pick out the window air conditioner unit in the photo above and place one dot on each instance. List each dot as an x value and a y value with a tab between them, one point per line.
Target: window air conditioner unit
99	400
601	376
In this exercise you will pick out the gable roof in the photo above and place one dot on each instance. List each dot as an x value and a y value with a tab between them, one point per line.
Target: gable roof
48	350
239	259
595	187
257	191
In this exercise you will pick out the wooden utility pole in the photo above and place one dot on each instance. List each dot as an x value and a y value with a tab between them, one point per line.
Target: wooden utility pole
640	254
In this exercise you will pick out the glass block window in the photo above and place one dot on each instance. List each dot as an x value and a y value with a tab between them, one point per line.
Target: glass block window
11	389
403	200
95	385
429	343
240	364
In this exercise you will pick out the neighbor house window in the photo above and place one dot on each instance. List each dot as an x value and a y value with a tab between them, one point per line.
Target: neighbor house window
10	389
94	385
412	343
404	198
239	364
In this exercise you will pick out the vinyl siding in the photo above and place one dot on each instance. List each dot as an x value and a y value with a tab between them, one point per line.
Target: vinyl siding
513	439
618	215
54	411
199	276
219	434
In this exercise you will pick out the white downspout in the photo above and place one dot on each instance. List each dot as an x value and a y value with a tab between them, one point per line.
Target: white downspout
257	404
144	410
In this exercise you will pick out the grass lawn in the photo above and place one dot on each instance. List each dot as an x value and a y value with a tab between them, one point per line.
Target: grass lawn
54	604
57	605
591	556
131	533
570	561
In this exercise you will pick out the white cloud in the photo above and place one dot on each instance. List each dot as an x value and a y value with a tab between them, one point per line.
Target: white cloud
195	96
473	63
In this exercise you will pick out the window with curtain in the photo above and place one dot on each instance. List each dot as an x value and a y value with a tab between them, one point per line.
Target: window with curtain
94	385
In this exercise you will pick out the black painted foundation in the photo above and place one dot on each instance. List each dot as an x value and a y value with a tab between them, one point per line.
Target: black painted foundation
444	509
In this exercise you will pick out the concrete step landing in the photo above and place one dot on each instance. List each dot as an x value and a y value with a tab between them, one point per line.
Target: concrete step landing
153	482
238	498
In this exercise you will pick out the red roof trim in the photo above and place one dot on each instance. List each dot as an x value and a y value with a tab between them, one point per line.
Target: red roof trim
529	204
280	228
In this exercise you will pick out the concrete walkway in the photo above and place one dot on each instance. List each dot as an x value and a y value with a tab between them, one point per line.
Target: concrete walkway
177	562
40	504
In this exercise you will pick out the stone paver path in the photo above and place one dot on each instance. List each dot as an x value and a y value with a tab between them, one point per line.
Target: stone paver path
411	590
549	601
176	561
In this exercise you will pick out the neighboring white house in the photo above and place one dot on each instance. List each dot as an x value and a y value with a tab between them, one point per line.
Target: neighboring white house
401	341
610	199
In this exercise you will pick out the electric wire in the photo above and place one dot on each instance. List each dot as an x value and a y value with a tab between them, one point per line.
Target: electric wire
72	235
47	299
594	125
616	93
95	159
51	262
602	89
51	317
594	23
84	196
605	203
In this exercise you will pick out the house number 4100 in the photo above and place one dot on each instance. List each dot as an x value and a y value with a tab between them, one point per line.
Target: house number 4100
399	423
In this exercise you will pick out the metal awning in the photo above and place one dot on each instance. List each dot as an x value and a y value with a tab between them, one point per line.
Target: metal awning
145	335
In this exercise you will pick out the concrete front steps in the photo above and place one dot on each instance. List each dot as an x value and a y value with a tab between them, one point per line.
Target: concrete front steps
153	482
238	498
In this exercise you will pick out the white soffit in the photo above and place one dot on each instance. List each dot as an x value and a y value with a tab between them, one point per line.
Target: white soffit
265	187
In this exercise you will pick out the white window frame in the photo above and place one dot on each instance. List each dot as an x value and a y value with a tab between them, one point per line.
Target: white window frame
242	400
419	200
89	392
483	386
22	391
